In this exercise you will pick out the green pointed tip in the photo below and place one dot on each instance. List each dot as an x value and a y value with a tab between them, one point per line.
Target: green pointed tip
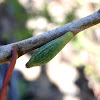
28	65
32	63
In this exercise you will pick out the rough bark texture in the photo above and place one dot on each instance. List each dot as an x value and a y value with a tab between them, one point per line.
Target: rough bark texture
37	41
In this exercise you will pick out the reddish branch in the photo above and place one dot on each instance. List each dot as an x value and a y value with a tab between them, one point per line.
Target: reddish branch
8	75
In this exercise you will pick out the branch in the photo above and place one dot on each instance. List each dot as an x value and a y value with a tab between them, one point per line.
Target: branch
33	43
6	81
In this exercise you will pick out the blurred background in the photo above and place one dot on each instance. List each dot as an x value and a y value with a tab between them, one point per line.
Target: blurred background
74	74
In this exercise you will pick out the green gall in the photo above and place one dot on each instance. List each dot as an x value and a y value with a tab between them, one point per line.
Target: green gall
48	51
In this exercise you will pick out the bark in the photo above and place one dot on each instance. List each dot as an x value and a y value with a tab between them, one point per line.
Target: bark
33	43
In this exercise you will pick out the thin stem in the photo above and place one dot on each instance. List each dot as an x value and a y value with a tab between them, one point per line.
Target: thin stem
8	75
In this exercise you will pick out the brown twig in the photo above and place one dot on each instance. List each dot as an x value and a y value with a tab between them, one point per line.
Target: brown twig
8	75
37	41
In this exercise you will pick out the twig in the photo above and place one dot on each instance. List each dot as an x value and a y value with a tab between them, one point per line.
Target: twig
37	41
8	75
